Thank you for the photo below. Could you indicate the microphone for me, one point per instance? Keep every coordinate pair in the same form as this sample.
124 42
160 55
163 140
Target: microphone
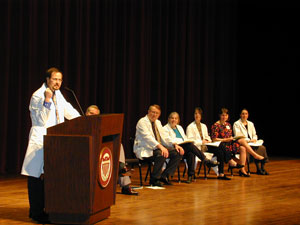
68 89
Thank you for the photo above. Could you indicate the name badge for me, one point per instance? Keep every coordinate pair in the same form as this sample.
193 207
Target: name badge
227 127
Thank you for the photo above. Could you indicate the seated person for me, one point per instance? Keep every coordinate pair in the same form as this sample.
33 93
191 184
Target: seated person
152 142
244 127
176 132
124 181
197 131
221 131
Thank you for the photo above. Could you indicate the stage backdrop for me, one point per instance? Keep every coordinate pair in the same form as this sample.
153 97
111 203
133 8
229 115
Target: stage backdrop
123 56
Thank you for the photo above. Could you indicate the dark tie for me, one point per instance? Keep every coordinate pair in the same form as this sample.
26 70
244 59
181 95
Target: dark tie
155 131
200 130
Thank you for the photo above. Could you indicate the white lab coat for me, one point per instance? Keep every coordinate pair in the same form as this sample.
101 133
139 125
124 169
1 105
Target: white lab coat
172 134
41 119
145 141
239 129
193 133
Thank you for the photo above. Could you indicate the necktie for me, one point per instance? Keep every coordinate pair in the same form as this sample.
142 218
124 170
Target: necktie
55 104
200 130
203 147
155 131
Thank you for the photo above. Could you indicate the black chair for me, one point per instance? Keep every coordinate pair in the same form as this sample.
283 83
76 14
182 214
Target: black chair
204 167
199 169
149 162
140 162
178 170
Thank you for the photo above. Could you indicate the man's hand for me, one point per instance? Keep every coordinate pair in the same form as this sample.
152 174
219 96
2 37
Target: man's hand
48 94
205 141
164 151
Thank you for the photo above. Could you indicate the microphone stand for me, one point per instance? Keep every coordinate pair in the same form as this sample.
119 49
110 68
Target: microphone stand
68 89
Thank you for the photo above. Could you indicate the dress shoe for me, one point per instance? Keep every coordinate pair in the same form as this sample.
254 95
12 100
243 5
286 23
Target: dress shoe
260 172
211 163
189 180
165 181
265 172
127 190
155 183
223 178
237 166
41 219
243 174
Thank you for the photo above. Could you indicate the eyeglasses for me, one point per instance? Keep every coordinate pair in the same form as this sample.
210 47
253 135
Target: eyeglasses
155 112
57 79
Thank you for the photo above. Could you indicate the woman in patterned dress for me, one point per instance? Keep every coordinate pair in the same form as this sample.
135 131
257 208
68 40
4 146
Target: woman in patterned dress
222 131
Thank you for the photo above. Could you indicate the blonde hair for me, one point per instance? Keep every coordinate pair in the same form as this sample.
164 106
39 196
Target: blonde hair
155 106
92 107
174 113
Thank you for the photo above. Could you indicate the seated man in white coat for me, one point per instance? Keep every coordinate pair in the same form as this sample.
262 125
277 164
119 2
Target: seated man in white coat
152 141
48 107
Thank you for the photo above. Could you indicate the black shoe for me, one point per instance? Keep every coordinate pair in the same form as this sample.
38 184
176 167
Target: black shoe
127 190
223 178
237 166
243 174
211 163
42 218
260 172
189 180
265 172
155 183
165 181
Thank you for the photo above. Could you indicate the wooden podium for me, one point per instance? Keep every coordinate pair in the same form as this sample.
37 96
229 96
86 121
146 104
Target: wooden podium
81 161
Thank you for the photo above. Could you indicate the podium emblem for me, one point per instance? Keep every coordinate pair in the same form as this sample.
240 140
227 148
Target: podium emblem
105 166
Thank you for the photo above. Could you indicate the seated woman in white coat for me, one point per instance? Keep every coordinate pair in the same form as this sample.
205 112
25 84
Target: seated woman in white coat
244 127
177 135
198 132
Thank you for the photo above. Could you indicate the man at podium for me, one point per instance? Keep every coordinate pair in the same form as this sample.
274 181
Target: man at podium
48 107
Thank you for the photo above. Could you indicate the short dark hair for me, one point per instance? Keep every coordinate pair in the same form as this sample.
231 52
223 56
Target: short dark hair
245 110
224 110
199 110
51 70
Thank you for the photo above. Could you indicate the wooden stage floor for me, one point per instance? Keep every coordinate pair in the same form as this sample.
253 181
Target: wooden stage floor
273 199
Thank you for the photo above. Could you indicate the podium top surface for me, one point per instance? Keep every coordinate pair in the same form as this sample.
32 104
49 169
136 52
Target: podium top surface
106 124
